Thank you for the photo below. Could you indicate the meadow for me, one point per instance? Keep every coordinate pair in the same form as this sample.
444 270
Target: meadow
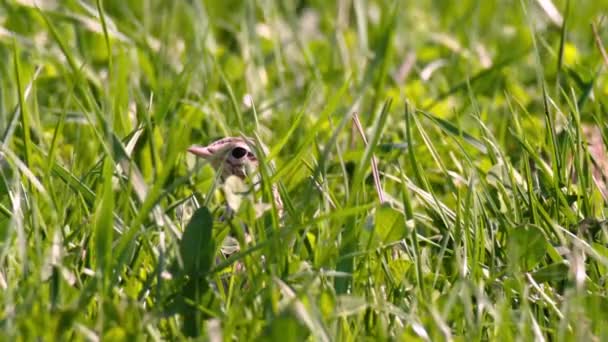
433 158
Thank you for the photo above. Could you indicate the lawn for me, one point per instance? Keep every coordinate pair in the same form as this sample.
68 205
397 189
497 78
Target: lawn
433 158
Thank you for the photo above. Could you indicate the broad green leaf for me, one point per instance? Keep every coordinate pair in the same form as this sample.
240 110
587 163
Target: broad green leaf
399 268
553 272
389 224
286 327
527 246
197 247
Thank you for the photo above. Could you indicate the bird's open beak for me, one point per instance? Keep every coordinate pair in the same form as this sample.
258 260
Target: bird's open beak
200 151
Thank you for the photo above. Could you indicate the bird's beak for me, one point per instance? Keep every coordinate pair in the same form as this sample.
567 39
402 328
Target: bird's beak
200 151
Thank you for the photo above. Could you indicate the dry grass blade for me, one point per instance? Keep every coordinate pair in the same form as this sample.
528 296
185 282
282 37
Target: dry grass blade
375 173
598 42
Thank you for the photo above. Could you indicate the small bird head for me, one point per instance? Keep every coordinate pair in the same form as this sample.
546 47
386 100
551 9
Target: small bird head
236 156
230 156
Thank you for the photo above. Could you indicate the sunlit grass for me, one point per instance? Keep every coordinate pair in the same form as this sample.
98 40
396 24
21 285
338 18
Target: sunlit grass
481 116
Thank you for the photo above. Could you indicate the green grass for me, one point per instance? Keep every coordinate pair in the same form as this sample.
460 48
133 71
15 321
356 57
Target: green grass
474 111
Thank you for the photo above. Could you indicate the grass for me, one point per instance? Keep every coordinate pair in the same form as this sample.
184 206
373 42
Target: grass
492 226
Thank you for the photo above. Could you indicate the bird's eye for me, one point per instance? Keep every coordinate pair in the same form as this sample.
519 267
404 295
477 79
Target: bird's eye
238 152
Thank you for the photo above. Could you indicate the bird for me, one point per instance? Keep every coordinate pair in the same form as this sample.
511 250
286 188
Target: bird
236 156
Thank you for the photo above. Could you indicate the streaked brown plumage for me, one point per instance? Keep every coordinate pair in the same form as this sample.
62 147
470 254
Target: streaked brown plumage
234 156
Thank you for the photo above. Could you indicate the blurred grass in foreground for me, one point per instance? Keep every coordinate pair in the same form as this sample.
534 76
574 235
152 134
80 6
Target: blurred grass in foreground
494 225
